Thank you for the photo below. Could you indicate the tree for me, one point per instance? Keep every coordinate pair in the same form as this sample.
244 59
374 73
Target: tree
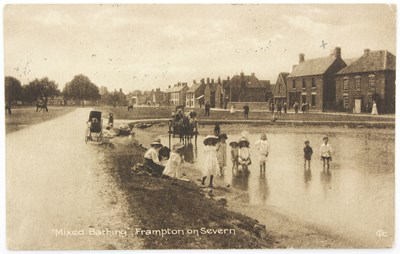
81 88
40 90
12 89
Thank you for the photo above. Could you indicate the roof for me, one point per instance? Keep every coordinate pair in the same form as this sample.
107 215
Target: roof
380 60
267 85
194 87
316 66
175 89
350 60
251 81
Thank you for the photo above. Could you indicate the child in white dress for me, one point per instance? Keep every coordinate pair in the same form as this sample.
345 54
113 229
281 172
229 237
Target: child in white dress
211 165
262 146
244 153
175 162
221 155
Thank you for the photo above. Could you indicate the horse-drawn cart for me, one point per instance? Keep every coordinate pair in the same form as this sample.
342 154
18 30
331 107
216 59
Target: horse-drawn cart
184 126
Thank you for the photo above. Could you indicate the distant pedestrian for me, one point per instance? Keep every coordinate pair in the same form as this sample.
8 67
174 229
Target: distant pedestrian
296 107
8 108
217 130
307 107
272 107
234 154
263 147
110 118
210 167
246 110
207 109
279 110
285 107
374 110
232 111
326 152
221 154
303 107
308 151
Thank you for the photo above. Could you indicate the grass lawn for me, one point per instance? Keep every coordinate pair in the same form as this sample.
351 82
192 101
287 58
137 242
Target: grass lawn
26 116
165 112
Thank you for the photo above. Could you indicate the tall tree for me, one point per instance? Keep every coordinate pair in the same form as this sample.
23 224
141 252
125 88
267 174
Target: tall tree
12 89
81 88
40 90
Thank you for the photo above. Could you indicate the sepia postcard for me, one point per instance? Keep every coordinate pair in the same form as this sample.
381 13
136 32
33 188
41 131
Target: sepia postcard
199 126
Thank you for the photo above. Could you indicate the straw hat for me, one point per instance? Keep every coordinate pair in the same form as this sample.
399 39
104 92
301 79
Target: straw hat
156 142
214 138
244 140
178 146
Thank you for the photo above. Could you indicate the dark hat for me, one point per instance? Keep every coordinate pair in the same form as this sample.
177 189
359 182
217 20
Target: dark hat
234 143
306 142
223 135
325 138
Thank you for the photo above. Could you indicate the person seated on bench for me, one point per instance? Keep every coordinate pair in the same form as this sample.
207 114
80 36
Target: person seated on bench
151 159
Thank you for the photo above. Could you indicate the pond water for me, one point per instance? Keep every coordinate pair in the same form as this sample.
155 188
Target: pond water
355 198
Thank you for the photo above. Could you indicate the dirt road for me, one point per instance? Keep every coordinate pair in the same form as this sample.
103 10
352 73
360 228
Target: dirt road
59 193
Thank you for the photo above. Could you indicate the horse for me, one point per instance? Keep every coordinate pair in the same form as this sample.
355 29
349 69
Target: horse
40 106
130 108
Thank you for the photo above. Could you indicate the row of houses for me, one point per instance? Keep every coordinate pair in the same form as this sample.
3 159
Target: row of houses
327 84
332 83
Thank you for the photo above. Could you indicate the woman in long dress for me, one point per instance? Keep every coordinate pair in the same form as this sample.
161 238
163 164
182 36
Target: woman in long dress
374 109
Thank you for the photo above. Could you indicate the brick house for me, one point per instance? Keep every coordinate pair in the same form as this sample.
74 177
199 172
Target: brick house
177 94
279 94
370 78
313 81
157 97
195 95
247 88
214 93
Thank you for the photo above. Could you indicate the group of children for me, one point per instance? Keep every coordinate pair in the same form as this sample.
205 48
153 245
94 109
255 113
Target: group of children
215 159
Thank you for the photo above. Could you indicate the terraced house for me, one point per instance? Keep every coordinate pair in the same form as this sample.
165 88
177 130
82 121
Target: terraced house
370 78
313 81
280 92
177 94
195 95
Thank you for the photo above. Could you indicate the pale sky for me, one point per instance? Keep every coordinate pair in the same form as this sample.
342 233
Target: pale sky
150 46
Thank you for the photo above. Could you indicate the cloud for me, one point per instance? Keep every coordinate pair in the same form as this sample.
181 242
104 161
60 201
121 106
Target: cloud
306 24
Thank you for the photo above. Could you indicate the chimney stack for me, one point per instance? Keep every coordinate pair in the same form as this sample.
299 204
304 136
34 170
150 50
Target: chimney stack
366 51
337 52
229 78
208 80
301 58
212 81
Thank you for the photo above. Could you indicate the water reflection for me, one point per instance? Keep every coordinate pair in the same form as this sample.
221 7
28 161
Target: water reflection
190 152
357 190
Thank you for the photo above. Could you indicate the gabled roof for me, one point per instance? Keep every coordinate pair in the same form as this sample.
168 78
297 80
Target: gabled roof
282 76
175 89
312 67
380 60
194 87
266 84
251 81
350 60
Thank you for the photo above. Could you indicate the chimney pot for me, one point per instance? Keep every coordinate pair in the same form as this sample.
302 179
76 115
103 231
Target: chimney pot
301 58
212 80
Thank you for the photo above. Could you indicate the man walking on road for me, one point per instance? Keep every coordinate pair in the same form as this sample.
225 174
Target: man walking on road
207 108
246 110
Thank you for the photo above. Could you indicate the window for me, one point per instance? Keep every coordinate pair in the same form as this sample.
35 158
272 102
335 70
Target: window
294 84
371 81
303 83
346 102
313 99
303 98
279 88
358 83
345 84
313 84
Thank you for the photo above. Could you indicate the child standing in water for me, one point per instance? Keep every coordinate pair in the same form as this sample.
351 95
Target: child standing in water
211 165
244 153
221 155
308 151
262 146
326 152
234 154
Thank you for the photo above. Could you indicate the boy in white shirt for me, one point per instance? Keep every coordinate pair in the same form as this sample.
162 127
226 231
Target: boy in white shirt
262 146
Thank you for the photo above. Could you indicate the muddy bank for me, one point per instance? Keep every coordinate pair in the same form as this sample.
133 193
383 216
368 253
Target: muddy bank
197 219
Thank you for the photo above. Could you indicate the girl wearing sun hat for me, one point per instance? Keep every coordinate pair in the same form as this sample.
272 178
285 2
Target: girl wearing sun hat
175 161
244 153
211 165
